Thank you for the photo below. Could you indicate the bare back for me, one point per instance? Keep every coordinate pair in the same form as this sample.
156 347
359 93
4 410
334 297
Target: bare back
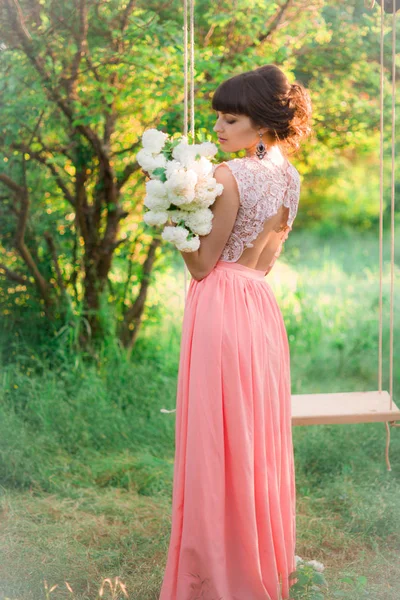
269 195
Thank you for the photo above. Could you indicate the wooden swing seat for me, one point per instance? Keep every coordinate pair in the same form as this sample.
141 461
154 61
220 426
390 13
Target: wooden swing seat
343 407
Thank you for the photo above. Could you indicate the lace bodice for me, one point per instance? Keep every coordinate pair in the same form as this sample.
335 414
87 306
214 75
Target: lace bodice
263 188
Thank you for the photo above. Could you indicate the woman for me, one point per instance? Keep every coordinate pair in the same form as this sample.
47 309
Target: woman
233 507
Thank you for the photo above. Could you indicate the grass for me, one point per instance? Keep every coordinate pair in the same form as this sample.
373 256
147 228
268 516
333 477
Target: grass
86 457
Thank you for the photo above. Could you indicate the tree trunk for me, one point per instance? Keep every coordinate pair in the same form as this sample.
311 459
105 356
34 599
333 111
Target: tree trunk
130 325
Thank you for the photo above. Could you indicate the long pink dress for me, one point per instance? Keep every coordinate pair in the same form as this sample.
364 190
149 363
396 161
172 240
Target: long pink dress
233 506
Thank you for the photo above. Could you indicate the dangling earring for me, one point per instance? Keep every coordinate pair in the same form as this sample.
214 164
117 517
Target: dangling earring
261 150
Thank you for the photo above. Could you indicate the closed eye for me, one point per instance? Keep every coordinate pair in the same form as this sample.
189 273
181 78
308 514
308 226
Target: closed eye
229 122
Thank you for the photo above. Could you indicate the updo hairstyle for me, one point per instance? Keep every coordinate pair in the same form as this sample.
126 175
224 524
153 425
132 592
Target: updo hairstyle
269 100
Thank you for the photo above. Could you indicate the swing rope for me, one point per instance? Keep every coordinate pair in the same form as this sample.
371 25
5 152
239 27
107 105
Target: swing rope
381 234
186 82
370 4
392 212
186 102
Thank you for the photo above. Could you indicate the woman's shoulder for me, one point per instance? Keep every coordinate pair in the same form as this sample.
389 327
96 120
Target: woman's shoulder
234 164
248 166
253 162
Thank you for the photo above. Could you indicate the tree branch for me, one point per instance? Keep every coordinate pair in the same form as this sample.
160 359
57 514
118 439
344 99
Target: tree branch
14 276
16 18
81 40
21 193
126 14
50 242
134 312
43 160
13 185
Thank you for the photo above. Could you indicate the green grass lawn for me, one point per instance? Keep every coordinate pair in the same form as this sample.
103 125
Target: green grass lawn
86 456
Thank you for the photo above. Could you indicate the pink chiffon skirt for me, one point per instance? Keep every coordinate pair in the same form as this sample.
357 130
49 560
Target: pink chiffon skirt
233 504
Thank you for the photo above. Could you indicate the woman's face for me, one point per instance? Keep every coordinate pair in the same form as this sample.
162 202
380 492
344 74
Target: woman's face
236 132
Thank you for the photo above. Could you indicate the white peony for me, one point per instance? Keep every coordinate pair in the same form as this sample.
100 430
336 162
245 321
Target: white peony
157 195
208 149
219 188
150 162
205 199
190 206
145 159
189 186
180 148
155 217
153 140
185 153
180 186
207 189
189 245
156 203
176 235
210 184
202 166
172 166
160 161
200 222
178 215
154 187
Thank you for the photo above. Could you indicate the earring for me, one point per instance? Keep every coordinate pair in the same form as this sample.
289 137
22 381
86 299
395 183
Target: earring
261 150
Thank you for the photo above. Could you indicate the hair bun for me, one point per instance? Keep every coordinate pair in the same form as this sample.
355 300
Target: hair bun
294 89
268 98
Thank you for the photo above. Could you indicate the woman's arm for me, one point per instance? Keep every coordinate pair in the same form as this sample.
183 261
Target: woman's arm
225 208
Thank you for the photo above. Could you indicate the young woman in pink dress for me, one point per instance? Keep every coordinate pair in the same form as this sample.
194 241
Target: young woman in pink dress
233 507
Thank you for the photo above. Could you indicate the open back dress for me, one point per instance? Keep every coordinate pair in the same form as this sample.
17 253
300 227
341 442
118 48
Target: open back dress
233 525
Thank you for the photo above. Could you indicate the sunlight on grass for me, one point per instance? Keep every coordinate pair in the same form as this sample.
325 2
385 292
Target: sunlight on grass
87 458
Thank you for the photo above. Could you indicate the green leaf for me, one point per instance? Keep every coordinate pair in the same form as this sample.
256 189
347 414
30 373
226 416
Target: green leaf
160 172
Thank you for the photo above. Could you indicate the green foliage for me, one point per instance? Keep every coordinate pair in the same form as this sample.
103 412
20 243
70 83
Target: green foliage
160 172
309 583
76 401
131 75
85 450
355 587
79 424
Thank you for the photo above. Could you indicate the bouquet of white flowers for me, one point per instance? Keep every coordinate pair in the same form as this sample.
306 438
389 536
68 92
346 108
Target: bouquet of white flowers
181 187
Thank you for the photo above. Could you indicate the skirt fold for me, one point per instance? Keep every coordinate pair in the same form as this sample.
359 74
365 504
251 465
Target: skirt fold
233 503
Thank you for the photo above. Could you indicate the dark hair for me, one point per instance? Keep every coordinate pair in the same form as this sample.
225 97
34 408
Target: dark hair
269 100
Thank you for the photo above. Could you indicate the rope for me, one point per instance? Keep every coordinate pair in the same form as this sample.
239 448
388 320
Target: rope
392 227
186 103
185 108
186 92
392 202
192 67
185 69
381 215
370 4
389 468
